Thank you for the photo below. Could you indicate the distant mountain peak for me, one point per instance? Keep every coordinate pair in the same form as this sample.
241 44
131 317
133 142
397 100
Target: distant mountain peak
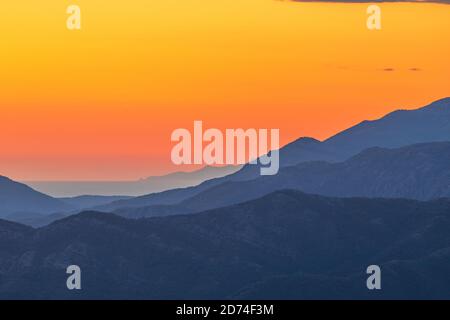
303 142
307 140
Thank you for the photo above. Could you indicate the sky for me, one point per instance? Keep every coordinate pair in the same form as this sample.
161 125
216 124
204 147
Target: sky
100 103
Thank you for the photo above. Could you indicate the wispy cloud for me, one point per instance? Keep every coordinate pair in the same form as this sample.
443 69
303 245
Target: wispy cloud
390 69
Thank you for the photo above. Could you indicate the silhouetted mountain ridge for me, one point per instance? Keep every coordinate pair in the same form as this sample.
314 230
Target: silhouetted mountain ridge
239 251
17 197
124 189
397 129
419 171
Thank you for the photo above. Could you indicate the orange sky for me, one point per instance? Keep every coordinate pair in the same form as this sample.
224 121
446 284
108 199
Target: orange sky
100 103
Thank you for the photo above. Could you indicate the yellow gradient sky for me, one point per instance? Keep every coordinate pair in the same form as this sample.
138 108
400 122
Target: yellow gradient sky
100 103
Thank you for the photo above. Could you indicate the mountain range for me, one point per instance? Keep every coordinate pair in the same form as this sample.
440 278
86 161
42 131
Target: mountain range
74 189
417 171
420 171
285 245
381 196
397 129
16 197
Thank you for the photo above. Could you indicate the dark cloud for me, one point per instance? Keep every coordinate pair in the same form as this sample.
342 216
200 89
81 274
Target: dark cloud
388 69
375 1
415 69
